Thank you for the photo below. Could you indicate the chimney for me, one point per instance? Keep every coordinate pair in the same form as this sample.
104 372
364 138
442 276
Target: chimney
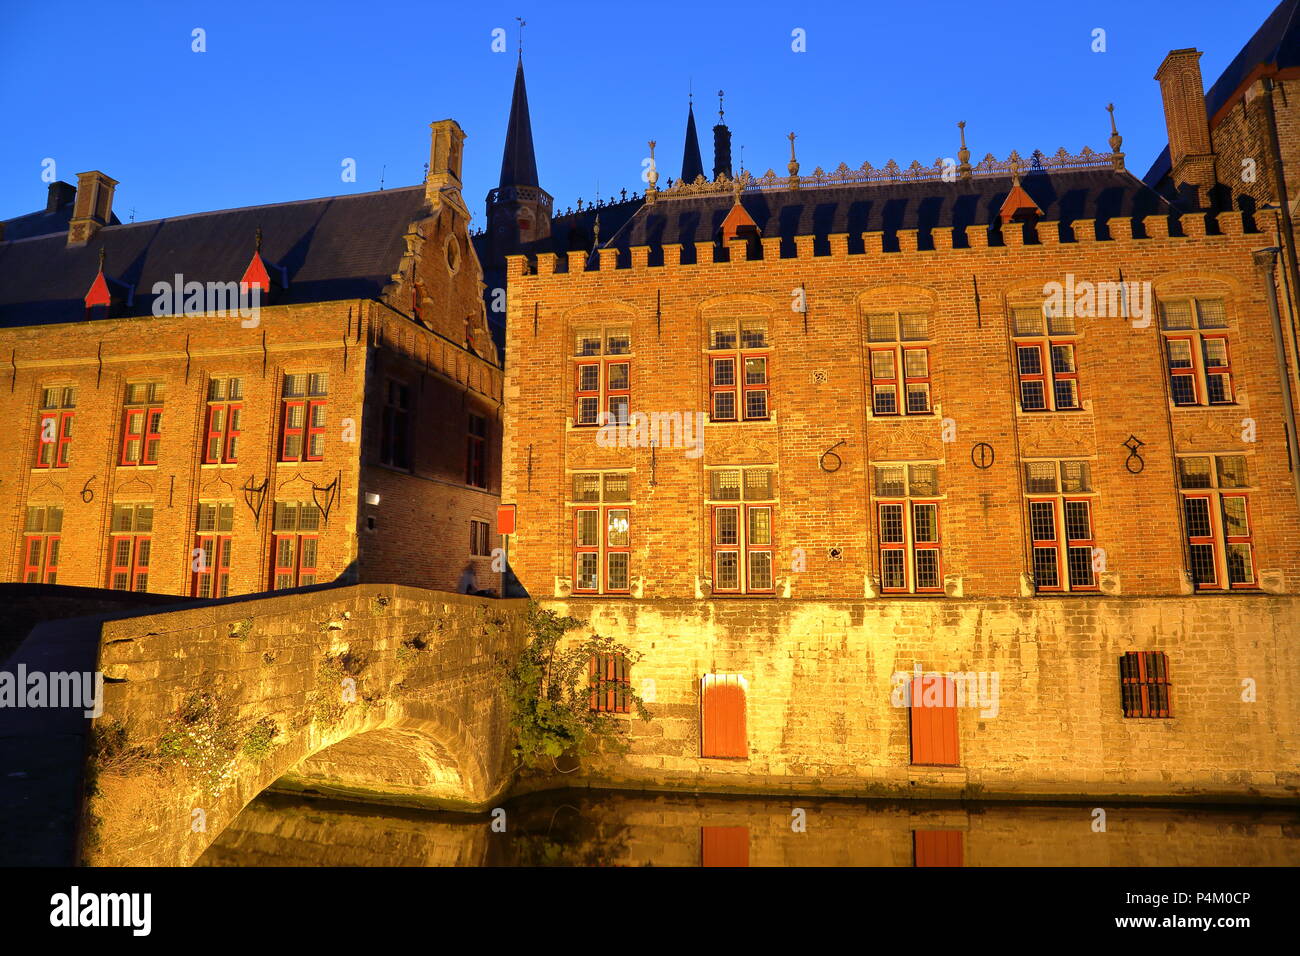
93 208
1191 155
59 195
444 159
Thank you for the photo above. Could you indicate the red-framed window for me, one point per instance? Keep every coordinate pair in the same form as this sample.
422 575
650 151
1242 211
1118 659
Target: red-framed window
602 375
602 532
295 542
937 848
898 363
723 731
221 421
40 544
395 436
610 678
932 716
142 423
742 509
476 446
210 559
907 529
1218 522
304 400
1144 684
130 543
54 426
1196 351
1046 367
1062 539
738 368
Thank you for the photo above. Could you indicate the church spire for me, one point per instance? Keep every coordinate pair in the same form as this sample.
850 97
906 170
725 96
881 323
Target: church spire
518 164
692 164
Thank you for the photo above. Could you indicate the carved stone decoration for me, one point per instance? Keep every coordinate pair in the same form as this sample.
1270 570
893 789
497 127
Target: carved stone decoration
1058 437
914 438
1208 431
737 451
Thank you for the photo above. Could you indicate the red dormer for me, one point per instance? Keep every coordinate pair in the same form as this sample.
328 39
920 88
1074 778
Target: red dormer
105 293
739 224
262 273
1018 206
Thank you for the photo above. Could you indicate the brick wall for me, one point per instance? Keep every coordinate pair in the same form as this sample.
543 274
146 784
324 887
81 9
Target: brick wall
819 402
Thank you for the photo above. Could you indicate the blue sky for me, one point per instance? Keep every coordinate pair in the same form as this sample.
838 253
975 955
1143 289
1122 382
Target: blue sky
286 91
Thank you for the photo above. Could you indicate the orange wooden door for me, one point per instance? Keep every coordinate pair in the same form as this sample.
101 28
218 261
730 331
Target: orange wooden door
722 716
934 721
936 848
724 846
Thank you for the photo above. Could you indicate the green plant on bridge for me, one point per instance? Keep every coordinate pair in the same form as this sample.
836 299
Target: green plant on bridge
204 740
551 687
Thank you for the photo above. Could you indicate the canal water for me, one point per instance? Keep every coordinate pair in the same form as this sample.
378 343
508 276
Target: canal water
608 828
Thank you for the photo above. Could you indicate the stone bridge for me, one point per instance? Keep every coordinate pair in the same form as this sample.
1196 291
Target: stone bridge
384 692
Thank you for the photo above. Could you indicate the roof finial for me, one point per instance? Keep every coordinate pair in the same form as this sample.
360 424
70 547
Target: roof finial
522 23
720 95
652 175
963 154
103 254
1116 141
257 239
793 165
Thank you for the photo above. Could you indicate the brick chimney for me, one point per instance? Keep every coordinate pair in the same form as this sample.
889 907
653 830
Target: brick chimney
93 207
59 195
445 152
1191 155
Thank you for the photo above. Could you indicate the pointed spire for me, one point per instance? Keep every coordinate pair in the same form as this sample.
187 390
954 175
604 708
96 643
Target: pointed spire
692 164
518 163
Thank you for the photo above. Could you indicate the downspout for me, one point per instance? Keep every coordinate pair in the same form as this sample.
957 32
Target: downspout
1287 228
1266 261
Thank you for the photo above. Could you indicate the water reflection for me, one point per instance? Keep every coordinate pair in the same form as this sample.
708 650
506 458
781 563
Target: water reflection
592 828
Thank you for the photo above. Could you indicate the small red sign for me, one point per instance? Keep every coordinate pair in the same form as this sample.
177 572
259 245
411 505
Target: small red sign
505 519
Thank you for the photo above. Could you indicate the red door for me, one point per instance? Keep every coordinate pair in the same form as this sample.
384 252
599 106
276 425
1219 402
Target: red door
934 721
936 848
722 716
724 846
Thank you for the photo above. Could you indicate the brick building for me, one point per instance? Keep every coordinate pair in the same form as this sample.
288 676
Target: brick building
165 435
1008 378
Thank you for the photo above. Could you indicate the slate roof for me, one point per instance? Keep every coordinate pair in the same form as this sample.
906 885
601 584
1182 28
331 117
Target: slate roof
1275 45
342 247
53 218
1098 194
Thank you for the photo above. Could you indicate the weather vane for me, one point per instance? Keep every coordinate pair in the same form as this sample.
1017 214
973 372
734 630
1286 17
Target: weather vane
522 23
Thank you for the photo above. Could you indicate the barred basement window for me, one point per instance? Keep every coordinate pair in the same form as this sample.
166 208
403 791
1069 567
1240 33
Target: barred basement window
1216 511
1045 360
602 535
54 426
738 370
1060 525
603 388
40 544
900 374
908 528
295 531
742 532
142 423
210 560
1200 370
129 547
302 419
1144 684
610 677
